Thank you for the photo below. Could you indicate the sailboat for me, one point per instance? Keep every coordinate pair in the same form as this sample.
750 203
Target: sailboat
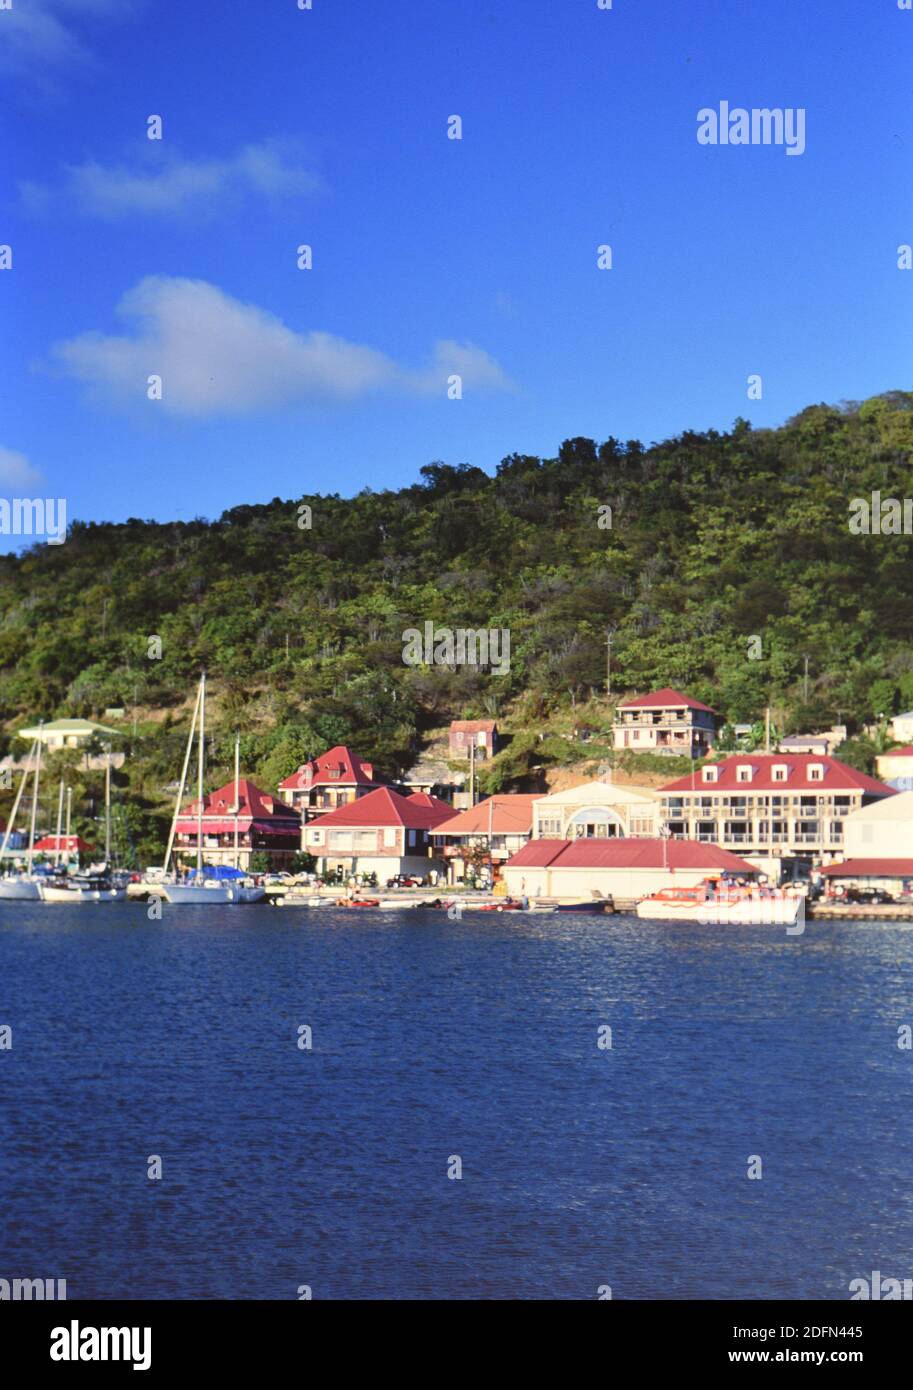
92 885
201 891
23 887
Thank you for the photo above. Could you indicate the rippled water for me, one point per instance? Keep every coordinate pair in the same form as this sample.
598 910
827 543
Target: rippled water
434 1038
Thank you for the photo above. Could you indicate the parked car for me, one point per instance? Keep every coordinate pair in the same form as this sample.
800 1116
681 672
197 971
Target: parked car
867 895
405 881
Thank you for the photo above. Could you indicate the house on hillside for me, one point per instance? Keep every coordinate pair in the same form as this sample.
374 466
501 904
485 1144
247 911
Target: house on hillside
769 806
498 826
383 833
337 778
60 734
258 822
599 810
434 777
665 722
480 734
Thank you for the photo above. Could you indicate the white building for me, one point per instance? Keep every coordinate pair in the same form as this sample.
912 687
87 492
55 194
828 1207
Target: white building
878 844
598 810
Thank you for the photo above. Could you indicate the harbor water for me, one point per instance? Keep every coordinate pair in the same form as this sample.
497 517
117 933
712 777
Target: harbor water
402 1105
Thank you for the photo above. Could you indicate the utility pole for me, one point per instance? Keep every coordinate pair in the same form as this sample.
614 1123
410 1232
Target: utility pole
610 632
472 774
135 698
805 696
767 730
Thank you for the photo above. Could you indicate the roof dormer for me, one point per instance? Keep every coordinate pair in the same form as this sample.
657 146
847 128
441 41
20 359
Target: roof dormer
779 772
744 772
710 774
816 772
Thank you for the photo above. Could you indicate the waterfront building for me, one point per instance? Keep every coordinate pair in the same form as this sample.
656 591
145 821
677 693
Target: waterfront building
623 869
665 722
480 734
257 823
878 848
383 833
600 810
498 827
336 778
770 806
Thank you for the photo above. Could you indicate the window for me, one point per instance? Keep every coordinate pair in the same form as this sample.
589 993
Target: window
316 837
779 772
743 772
709 774
815 772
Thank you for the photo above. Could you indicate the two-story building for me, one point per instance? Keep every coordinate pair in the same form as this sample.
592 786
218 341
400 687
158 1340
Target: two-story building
235 829
769 806
665 722
382 833
497 828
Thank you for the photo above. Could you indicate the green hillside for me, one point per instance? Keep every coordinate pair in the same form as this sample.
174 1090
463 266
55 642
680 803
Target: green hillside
715 539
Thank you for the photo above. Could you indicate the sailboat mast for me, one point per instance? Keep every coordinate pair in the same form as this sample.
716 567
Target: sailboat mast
200 778
40 740
108 809
59 825
25 777
180 796
69 810
237 792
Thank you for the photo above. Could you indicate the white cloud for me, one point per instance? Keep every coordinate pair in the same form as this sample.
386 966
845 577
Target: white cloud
39 35
179 186
17 476
219 356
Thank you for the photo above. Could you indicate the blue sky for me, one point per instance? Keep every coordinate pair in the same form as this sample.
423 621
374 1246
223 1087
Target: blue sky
329 127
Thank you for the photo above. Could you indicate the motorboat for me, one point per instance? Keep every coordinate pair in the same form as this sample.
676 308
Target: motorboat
719 902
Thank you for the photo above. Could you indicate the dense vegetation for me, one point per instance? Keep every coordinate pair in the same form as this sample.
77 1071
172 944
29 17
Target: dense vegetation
715 539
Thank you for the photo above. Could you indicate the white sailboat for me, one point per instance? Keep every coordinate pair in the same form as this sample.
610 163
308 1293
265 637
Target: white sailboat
93 885
210 891
23 887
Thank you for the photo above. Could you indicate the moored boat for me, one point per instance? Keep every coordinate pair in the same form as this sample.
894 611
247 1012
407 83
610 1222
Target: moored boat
720 902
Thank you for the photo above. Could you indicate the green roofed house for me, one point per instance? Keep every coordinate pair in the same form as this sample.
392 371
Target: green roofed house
68 733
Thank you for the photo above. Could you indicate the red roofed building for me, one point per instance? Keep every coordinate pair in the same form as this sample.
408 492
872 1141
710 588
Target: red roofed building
480 734
623 869
67 844
771 805
665 722
499 826
263 823
383 833
337 778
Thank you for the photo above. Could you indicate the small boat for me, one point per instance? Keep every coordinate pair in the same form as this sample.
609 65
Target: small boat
357 902
81 888
505 905
717 902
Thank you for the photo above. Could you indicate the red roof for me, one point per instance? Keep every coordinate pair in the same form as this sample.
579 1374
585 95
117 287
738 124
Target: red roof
906 752
49 844
837 776
253 805
339 766
385 807
870 868
473 726
511 814
664 699
627 854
